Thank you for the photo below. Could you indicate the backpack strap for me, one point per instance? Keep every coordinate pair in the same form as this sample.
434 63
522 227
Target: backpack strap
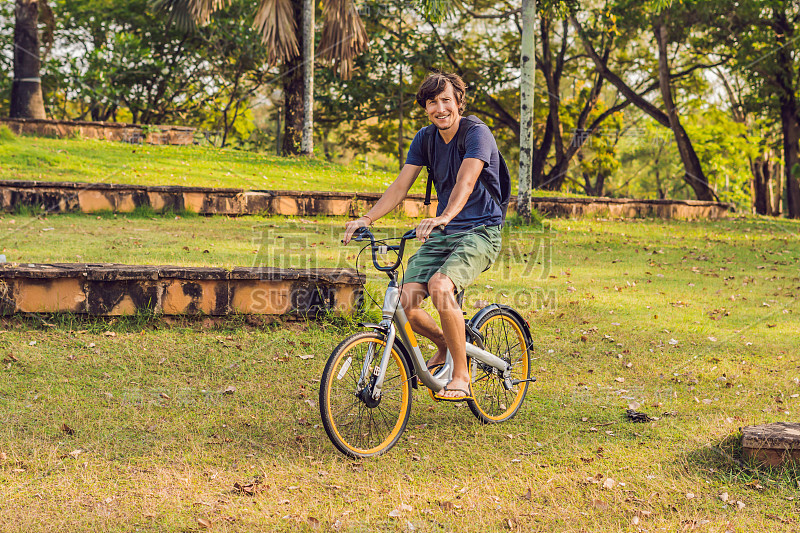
461 139
430 143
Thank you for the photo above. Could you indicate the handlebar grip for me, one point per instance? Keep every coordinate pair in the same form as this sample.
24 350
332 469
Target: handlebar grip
410 234
360 233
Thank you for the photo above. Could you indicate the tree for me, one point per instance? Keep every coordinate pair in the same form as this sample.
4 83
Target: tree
527 84
669 24
131 66
761 35
280 23
26 90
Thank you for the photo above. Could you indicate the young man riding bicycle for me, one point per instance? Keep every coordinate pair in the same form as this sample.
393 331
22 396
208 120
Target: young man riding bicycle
464 237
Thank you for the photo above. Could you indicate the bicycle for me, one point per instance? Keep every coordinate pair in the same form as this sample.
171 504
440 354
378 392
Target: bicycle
365 391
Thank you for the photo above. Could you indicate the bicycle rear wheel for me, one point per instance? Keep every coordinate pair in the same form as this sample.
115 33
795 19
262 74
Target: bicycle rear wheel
503 336
358 425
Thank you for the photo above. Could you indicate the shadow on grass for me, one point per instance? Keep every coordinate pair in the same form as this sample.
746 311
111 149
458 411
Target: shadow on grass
724 461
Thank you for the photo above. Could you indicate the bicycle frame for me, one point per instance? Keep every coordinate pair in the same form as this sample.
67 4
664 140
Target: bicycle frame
394 323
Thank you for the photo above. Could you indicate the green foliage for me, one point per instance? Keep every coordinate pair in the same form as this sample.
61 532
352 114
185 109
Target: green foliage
515 221
724 148
137 66
6 135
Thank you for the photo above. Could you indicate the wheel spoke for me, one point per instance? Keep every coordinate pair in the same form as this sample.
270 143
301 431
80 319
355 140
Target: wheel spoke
503 337
356 428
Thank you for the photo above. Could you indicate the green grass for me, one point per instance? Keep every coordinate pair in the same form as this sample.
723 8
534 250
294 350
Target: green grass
694 322
93 161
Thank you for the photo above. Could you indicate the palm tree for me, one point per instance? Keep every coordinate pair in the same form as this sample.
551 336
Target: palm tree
26 89
280 23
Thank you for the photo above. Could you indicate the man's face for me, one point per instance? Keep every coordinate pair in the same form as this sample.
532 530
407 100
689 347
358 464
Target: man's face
443 109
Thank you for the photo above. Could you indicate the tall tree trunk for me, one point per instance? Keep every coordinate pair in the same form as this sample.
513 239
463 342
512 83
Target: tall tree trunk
292 73
552 76
308 78
26 89
693 175
788 105
400 133
759 185
526 88
776 184
791 157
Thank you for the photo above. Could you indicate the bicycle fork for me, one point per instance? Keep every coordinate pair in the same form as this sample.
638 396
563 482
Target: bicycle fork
391 302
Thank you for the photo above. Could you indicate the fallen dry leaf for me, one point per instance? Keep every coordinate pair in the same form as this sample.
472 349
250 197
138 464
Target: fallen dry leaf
111 334
203 523
600 504
76 453
724 496
3 456
527 496
229 390
689 495
313 522
250 488
307 356
394 513
66 429
447 506
609 483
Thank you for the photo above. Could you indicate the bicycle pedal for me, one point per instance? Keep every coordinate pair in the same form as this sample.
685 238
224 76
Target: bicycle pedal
508 382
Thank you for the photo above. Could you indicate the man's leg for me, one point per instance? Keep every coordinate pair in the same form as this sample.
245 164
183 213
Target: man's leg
422 323
441 289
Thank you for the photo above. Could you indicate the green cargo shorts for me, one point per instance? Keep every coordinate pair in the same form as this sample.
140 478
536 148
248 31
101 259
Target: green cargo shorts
459 256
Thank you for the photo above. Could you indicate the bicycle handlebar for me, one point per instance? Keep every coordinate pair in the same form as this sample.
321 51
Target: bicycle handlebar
362 232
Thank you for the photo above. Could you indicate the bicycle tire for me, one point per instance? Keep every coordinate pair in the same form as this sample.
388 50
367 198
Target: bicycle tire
504 337
356 429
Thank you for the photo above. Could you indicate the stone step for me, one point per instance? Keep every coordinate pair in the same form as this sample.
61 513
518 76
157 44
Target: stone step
772 444
114 289
106 131
56 197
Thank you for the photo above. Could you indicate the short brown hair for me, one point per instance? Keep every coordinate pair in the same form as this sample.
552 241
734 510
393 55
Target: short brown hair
435 84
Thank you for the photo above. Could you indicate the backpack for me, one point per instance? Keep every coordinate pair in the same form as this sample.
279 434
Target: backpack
504 177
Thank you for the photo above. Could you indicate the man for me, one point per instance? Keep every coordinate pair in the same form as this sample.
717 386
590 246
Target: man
463 239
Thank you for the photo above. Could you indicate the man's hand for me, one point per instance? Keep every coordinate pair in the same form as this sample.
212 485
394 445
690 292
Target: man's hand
351 226
427 225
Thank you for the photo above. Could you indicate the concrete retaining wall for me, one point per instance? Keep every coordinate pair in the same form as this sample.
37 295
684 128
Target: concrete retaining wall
108 131
112 289
90 198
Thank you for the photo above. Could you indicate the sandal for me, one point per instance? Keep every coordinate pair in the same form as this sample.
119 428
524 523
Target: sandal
467 395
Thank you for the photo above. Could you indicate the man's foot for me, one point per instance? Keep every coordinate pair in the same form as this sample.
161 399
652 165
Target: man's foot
456 391
436 361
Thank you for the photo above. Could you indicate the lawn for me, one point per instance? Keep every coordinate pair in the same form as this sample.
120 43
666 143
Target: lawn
94 161
146 424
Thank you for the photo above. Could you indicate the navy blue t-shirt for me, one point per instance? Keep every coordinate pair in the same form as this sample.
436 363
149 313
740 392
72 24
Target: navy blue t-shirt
480 209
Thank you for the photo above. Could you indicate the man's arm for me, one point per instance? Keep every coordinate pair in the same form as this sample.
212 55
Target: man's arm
468 174
395 194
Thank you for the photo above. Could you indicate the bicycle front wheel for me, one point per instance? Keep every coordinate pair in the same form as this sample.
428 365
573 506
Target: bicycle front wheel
503 336
357 424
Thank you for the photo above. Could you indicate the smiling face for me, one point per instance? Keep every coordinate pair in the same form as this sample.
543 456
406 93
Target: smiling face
443 109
